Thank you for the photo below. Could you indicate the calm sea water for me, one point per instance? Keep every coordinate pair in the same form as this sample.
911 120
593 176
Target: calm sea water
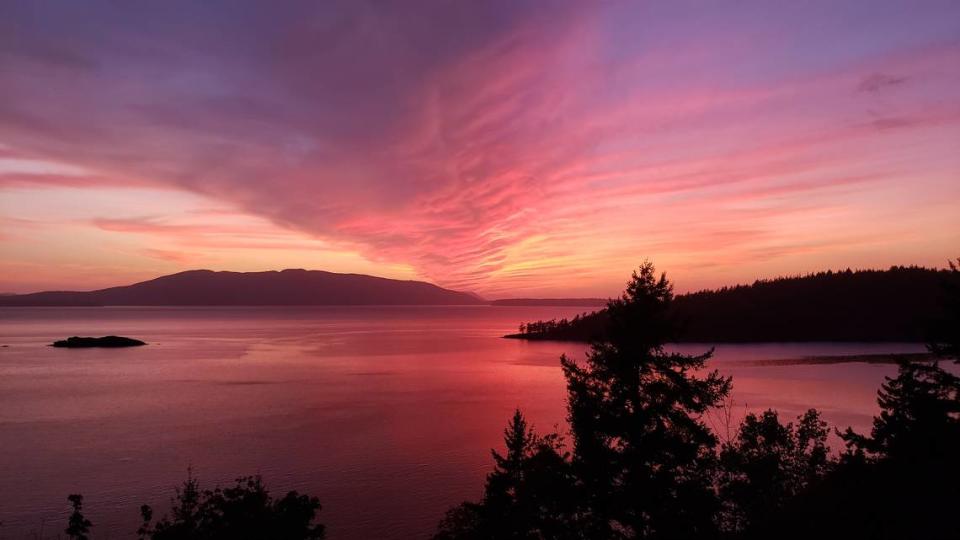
387 414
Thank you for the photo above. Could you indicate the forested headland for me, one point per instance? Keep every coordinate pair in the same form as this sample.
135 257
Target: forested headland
901 304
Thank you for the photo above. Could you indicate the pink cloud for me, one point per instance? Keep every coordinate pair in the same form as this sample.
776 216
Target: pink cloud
560 144
179 257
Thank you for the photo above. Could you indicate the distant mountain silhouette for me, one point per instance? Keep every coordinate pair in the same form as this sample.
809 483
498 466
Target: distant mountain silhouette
589 302
286 287
865 305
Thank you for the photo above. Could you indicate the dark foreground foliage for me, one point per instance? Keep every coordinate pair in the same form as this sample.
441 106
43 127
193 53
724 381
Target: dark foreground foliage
245 511
78 526
644 465
767 465
901 481
529 489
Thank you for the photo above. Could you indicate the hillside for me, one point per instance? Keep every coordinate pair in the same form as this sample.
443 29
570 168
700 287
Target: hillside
898 304
286 287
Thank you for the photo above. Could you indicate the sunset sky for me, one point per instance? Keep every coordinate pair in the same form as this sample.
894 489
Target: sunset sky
505 148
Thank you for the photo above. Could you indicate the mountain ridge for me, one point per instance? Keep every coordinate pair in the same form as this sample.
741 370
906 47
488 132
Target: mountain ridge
292 286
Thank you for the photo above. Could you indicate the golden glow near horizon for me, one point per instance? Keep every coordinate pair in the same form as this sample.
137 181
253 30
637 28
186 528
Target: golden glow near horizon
151 232
538 154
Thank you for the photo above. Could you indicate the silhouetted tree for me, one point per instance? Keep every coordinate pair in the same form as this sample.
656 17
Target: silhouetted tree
644 465
145 529
244 511
468 521
527 496
78 526
919 417
769 463
643 456
901 481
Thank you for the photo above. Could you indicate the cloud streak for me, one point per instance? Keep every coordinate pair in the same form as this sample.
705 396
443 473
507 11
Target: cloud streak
502 147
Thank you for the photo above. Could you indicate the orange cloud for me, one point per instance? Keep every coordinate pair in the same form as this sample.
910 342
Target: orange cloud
543 152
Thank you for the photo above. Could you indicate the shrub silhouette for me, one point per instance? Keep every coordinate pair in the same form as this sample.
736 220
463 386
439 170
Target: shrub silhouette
768 464
77 525
900 481
243 511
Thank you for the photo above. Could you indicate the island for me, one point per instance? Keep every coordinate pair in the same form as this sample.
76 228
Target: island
291 287
77 342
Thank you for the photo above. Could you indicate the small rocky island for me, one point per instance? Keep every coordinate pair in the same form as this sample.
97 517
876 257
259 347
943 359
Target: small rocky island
77 342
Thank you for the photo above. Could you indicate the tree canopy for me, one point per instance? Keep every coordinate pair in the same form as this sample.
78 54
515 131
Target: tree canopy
644 465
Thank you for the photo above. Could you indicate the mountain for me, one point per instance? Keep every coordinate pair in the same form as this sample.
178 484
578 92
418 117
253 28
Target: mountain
286 287
586 302
899 304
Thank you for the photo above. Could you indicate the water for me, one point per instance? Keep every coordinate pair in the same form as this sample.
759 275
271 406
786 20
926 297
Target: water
386 413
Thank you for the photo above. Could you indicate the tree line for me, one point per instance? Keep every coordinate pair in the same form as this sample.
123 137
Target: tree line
244 511
641 461
902 303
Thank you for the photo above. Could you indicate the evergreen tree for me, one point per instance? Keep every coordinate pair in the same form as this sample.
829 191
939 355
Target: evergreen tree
527 496
78 526
919 419
901 481
643 456
768 464
245 511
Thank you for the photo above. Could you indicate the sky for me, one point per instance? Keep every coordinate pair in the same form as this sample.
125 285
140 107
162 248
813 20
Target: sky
508 148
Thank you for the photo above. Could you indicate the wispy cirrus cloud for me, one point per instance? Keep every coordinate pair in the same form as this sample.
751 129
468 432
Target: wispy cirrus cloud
501 147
